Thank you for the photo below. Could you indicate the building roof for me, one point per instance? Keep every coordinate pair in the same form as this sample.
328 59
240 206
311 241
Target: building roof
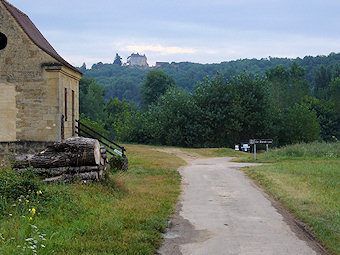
34 34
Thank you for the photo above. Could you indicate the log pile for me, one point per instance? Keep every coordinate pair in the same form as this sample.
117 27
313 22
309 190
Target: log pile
75 158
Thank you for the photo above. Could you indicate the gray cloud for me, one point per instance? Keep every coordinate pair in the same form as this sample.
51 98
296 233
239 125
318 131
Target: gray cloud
186 30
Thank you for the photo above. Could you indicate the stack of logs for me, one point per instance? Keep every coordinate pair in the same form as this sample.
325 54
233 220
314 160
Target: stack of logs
75 158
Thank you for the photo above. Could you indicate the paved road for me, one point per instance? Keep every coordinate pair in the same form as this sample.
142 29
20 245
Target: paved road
222 211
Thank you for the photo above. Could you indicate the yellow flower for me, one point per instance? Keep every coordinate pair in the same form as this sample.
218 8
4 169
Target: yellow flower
31 218
33 210
27 201
39 192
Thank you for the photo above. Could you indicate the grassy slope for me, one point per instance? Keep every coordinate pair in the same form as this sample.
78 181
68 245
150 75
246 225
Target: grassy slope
124 216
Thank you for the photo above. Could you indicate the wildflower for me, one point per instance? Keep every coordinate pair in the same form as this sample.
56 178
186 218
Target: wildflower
27 201
33 210
31 218
39 192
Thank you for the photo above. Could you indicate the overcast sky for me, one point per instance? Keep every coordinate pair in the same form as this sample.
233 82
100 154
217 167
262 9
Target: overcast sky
209 31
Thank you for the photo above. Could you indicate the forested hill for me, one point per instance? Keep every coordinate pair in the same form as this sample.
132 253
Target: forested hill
124 82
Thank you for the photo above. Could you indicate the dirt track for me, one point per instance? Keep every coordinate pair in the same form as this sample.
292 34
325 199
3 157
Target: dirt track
221 211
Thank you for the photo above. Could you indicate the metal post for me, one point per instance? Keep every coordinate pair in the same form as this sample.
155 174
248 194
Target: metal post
267 148
255 151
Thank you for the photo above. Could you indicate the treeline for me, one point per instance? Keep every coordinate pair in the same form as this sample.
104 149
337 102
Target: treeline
125 82
222 110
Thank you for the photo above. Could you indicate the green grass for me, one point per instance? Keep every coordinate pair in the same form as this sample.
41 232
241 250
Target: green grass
125 215
306 179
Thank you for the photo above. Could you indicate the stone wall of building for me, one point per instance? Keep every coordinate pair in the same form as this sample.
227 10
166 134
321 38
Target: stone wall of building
32 107
23 147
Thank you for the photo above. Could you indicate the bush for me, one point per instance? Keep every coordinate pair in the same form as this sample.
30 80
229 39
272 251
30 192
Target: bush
116 163
14 185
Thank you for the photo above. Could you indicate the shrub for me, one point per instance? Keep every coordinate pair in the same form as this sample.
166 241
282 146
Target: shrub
14 185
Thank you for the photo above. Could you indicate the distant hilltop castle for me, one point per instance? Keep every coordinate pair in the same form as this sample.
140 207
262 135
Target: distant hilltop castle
137 60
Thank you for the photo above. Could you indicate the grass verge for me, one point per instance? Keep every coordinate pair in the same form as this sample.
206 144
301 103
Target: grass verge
125 215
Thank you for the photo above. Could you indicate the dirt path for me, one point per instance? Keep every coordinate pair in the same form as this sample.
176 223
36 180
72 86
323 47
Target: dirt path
221 211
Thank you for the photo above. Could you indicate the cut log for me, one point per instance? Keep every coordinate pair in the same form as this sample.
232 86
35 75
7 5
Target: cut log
74 151
73 177
51 172
22 161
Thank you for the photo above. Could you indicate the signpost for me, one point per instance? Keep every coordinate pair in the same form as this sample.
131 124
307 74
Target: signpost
261 141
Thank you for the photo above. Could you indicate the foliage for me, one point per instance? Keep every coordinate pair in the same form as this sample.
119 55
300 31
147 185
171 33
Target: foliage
299 125
116 111
187 74
91 99
288 86
233 110
155 85
14 185
174 119
219 111
327 117
116 163
98 126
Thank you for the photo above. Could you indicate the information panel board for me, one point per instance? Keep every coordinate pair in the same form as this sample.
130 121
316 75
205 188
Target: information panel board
260 141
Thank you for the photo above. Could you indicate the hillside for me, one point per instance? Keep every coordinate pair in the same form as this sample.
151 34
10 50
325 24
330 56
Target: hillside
124 82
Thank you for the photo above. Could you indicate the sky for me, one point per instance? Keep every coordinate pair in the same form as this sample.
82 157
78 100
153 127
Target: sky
210 31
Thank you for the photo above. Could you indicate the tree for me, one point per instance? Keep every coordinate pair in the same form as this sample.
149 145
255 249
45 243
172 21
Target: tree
334 89
156 84
115 111
322 78
288 86
233 110
118 60
174 119
326 114
91 99
300 125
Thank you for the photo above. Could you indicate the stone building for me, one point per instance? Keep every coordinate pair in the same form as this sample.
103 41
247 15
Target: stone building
137 60
38 88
